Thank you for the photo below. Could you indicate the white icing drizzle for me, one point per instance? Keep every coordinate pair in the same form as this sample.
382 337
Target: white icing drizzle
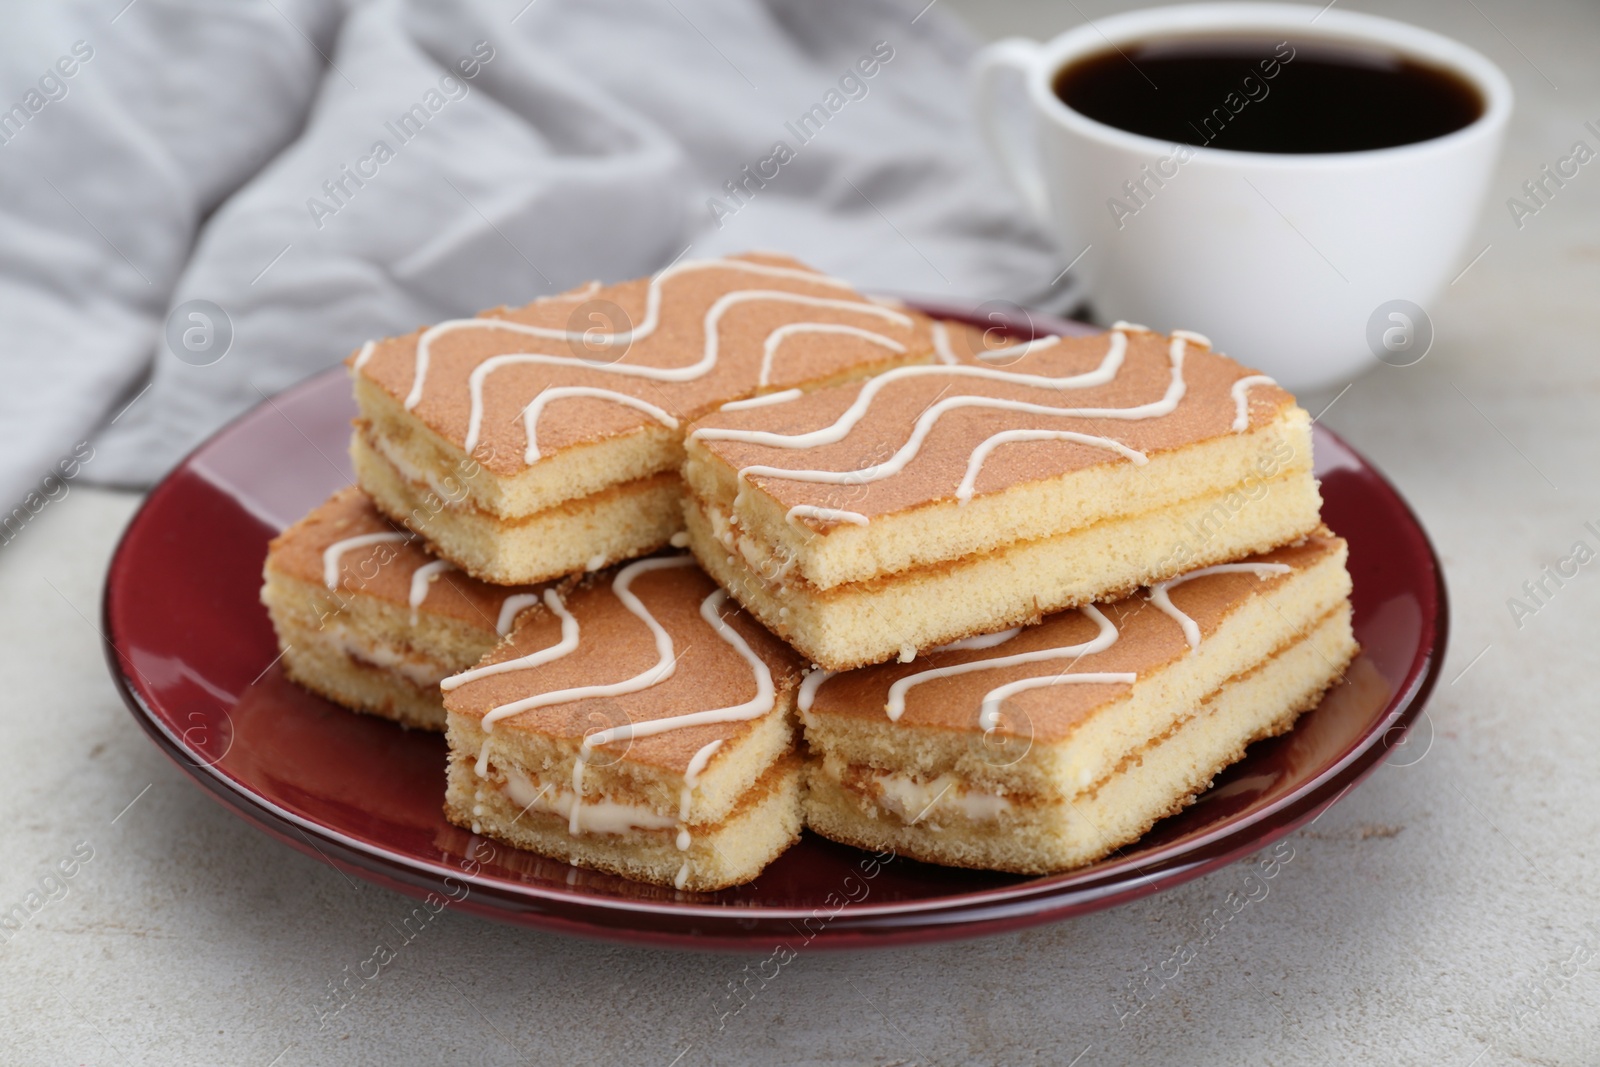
815 511
652 315
332 554
1191 630
946 355
841 427
989 713
621 587
965 490
697 369
588 288
422 580
941 344
530 414
1104 639
760 704
783 333
982 641
1241 401
691 778
809 686
364 355
565 647
764 700
575 813
783 396
757 706
511 607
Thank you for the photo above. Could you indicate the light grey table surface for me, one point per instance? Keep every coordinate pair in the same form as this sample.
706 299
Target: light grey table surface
1446 912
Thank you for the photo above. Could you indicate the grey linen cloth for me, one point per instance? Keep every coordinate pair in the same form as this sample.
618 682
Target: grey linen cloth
207 201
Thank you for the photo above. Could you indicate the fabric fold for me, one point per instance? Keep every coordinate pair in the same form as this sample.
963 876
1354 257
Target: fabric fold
304 179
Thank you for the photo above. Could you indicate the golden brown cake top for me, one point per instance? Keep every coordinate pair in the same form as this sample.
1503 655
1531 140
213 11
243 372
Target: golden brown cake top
1030 681
649 662
977 424
512 385
345 545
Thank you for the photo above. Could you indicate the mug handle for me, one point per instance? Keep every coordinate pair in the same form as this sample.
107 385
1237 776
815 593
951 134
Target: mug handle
1013 143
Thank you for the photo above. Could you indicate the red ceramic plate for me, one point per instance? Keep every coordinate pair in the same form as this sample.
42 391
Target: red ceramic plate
191 650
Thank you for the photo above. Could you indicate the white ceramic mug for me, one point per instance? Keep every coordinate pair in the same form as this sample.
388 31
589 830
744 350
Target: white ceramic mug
1289 263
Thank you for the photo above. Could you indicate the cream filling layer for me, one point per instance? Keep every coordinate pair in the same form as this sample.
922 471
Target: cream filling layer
455 501
593 815
912 800
420 671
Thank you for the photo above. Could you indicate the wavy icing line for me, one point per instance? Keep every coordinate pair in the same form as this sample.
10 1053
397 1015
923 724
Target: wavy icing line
809 686
1241 402
783 333
651 323
1191 630
697 369
530 414
781 397
652 316
760 704
982 641
512 606
334 552
941 345
691 778
969 481
816 511
711 607
564 647
660 672
841 427
422 581
754 708
757 706
946 355
989 708
989 712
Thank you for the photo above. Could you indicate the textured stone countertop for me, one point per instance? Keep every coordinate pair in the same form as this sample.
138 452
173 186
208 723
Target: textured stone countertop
1445 912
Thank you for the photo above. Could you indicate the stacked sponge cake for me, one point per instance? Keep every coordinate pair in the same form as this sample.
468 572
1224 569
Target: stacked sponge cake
1003 605
553 433
932 503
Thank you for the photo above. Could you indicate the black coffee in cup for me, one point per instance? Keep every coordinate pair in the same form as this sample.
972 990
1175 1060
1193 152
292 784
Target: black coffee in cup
1251 94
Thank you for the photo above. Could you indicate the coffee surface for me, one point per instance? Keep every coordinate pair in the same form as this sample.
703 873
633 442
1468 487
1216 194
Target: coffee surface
1268 95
